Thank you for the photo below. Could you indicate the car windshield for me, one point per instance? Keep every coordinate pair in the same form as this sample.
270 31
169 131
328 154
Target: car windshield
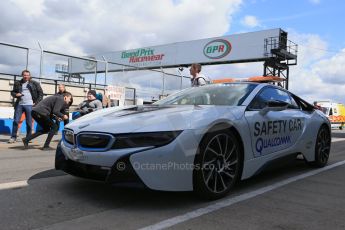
220 94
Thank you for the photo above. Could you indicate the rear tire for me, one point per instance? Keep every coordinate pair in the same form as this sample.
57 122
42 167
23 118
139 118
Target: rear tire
218 164
322 147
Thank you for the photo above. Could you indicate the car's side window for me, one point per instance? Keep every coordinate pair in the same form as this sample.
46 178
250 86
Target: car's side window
269 94
303 105
294 104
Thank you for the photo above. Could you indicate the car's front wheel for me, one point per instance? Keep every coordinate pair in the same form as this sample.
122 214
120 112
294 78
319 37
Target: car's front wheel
218 164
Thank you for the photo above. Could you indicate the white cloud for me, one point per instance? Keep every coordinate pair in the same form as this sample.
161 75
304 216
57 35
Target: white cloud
331 70
82 27
315 1
30 8
93 26
311 48
250 21
318 74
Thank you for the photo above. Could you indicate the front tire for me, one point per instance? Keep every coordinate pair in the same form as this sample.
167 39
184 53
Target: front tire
322 147
218 164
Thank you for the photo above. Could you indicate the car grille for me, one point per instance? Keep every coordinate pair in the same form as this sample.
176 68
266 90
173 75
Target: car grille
96 141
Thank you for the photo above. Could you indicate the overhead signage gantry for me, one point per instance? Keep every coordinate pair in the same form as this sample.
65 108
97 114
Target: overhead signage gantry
269 46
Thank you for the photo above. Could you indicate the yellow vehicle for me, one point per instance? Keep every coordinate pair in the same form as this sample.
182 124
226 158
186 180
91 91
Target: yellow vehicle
334 111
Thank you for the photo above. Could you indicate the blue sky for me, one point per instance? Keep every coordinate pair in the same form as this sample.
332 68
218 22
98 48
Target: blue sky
324 17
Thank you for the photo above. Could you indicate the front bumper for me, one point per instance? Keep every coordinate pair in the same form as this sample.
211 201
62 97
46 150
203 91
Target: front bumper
165 168
121 172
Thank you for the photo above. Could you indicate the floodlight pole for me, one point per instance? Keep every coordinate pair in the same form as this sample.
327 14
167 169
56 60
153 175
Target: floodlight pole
41 59
27 59
96 74
106 70
180 69
163 78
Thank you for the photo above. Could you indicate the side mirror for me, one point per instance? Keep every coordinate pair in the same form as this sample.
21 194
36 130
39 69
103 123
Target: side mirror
274 106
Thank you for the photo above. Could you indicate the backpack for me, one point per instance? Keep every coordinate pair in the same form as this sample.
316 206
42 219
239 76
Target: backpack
207 81
99 97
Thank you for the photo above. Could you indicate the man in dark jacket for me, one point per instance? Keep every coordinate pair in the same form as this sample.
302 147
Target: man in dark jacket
27 93
44 113
61 91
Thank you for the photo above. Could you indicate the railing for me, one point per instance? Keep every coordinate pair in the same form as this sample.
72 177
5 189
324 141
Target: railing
78 90
42 64
281 43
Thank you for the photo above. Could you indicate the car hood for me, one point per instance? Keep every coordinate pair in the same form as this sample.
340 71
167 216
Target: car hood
151 118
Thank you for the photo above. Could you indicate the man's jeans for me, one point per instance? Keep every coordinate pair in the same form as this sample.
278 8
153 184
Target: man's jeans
18 110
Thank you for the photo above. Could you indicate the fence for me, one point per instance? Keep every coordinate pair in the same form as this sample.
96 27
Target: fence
52 67
50 87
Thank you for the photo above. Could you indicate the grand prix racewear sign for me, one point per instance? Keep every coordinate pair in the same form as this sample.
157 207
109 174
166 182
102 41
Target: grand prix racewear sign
141 55
244 47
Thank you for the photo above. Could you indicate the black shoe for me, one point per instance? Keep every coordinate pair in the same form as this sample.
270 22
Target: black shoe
26 143
46 148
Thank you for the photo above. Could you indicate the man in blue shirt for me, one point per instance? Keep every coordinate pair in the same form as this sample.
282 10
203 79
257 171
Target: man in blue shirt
27 93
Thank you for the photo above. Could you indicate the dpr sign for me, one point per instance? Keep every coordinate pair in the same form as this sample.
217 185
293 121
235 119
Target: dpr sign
217 49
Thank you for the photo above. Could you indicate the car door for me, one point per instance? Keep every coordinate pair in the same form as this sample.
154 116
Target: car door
274 131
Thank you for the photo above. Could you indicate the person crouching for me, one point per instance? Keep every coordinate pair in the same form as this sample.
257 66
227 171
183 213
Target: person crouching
44 112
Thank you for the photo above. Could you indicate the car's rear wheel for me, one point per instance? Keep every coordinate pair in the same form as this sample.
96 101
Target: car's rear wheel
218 164
322 147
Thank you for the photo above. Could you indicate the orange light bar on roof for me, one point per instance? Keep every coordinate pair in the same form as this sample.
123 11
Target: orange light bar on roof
266 79
225 80
261 79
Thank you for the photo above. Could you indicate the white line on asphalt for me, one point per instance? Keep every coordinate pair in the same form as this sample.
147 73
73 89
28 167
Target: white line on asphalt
16 184
233 200
336 139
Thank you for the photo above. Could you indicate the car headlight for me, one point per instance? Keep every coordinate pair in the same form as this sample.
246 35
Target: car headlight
135 140
68 136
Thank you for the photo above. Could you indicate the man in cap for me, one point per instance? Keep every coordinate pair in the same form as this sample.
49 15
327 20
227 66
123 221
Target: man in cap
89 105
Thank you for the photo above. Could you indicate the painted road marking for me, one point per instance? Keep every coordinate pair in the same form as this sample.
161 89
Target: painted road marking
336 139
16 184
233 200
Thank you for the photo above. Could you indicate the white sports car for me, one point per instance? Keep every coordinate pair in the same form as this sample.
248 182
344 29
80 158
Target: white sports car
201 139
